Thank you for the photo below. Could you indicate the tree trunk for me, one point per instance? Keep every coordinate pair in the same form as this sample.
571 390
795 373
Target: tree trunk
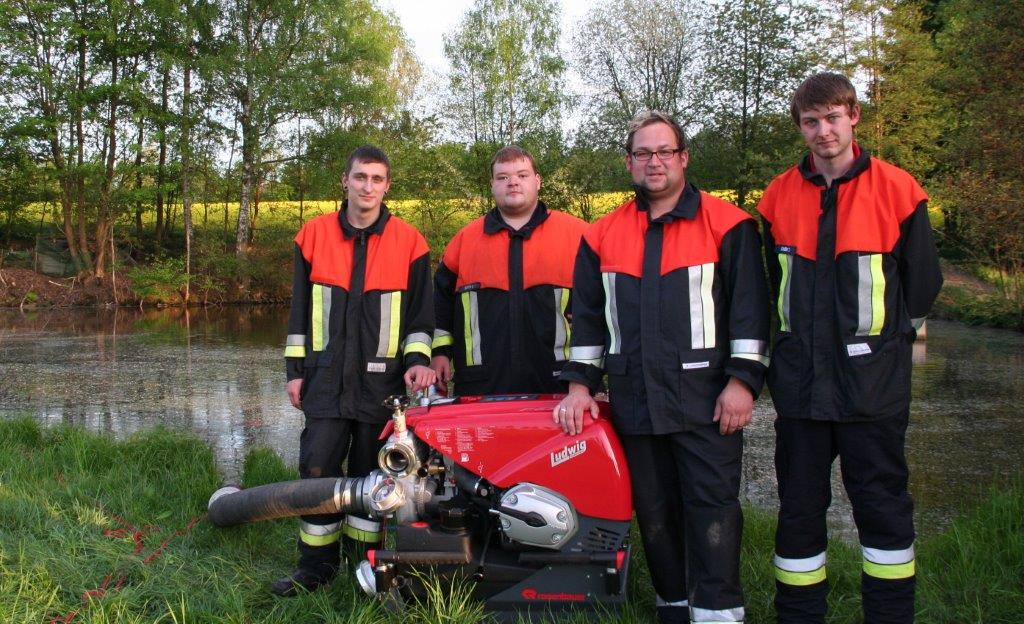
186 163
249 151
161 167
83 238
104 217
138 180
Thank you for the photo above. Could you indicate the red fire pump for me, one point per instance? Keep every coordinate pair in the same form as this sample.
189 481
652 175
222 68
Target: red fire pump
486 489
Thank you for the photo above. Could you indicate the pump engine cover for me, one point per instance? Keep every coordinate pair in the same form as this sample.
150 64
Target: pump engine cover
555 519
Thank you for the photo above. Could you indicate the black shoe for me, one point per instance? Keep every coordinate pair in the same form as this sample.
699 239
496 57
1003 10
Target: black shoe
301 580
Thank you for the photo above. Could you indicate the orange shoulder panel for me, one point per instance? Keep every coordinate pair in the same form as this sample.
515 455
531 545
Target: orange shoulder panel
326 250
618 240
873 205
691 242
478 258
550 253
792 205
389 255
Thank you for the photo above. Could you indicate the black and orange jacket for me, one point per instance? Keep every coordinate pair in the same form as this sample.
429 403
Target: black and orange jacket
501 300
854 271
670 308
360 316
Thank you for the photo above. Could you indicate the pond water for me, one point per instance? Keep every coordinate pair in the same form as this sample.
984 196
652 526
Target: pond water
219 373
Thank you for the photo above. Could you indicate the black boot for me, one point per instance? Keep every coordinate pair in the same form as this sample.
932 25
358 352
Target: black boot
301 580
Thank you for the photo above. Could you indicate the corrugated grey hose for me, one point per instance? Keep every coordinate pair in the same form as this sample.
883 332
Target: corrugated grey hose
230 506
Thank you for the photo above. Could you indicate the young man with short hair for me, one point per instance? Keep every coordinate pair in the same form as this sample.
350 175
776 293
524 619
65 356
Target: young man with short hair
502 289
359 330
669 298
854 268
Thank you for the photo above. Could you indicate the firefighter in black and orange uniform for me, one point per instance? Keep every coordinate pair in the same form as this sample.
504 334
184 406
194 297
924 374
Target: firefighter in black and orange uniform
670 299
854 268
359 330
502 289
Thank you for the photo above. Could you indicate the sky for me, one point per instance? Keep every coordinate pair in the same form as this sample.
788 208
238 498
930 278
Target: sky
425 21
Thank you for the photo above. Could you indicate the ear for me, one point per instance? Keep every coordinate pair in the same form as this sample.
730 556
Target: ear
855 115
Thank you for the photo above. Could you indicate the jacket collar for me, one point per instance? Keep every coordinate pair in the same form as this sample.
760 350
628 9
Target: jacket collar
494 223
685 208
862 159
377 227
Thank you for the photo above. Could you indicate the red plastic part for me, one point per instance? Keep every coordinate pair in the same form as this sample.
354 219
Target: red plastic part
371 556
510 440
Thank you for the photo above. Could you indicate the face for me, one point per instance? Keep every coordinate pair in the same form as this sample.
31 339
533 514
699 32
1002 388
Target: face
514 185
365 185
661 178
828 130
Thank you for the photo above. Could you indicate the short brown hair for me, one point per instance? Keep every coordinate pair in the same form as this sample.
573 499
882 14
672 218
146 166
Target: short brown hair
368 154
823 89
512 153
649 117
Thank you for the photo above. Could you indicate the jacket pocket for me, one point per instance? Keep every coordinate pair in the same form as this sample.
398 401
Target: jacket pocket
379 379
701 379
621 391
321 387
784 374
875 379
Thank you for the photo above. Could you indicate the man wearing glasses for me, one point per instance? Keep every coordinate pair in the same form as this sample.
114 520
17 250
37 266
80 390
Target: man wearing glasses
501 291
670 300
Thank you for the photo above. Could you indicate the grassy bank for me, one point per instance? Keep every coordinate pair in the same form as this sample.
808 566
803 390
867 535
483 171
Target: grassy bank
102 531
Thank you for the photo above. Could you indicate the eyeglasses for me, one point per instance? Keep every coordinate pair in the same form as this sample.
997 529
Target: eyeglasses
663 154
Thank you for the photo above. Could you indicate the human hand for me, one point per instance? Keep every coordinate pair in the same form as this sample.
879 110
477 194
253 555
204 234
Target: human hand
419 377
569 413
295 392
442 367
734 407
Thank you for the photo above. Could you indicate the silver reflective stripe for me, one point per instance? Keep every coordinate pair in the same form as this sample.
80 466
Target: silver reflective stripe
863 295
319 530
471 322
561 324
661 602
588 355
421 337
702 306
611 314
698 615
918 323
295 340
786 280
808 564
362 523
888 557
384 333
747 349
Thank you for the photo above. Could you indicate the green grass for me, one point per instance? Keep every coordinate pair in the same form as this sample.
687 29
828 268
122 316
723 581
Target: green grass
61 489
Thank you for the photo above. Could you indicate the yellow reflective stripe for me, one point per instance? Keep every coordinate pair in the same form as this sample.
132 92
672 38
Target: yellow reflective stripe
319 540
441 339
318 317
890 572
295 351
563 332
471 328
417 347
800 579
360 535
784 264
877 295
396 313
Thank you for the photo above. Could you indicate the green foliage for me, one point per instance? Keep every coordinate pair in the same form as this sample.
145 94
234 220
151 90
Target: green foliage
161 281
506 73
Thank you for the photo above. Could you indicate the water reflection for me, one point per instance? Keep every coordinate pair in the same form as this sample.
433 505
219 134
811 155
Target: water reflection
219 373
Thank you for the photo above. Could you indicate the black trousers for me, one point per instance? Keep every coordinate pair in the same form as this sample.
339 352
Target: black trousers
686 497
874 472
324 446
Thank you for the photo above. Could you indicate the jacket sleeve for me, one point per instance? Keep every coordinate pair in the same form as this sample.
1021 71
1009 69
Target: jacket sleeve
444 310
920 275
298 318
420 314
747 292
771 259
586 360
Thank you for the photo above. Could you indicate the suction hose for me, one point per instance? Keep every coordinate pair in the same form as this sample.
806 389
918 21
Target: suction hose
230 506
